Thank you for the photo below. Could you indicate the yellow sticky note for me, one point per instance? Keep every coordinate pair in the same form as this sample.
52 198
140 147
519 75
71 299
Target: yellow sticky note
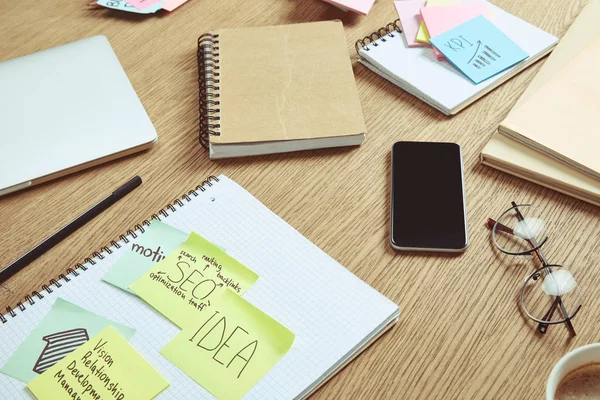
229 349
422 34
182 286
105 367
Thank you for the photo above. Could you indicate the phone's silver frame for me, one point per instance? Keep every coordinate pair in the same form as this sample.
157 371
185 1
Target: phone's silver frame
431 249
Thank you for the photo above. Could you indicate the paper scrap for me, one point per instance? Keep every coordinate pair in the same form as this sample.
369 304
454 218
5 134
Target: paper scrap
170 5
122 5
60 332
143 4
156 243
410 18
443 18
106 367
358 6
182 286
229 349
422 35
479 49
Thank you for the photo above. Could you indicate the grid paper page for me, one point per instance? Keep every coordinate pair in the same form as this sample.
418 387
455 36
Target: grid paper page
331 312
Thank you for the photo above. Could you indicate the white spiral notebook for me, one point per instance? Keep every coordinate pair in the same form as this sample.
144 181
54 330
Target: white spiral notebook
333 314
438 83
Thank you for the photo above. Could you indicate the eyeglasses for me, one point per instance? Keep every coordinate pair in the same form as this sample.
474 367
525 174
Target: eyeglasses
550 295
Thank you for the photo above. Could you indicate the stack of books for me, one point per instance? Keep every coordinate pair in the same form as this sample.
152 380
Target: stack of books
550 136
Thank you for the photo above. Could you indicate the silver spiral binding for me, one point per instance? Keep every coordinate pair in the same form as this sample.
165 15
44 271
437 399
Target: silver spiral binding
208 87
390 30
138 229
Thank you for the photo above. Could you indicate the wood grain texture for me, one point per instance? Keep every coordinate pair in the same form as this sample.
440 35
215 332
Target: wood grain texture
460 335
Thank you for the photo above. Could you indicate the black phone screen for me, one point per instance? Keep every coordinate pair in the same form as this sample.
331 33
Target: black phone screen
427 203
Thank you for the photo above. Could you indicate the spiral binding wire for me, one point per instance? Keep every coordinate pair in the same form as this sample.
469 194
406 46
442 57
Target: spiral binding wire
380 34
208 87
131 233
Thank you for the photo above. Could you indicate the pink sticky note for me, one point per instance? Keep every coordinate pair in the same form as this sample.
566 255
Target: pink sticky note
358 6
410 18
170 5
440 19
142 4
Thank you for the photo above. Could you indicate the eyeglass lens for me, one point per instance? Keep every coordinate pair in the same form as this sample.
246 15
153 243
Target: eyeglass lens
520 230
551 295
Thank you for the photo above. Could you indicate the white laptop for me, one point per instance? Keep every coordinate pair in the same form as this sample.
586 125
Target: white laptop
65 109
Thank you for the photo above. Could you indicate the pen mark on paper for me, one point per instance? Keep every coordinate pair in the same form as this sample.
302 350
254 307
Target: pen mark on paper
476 50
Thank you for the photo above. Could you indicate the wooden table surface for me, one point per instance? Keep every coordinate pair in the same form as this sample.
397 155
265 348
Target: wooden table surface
460 333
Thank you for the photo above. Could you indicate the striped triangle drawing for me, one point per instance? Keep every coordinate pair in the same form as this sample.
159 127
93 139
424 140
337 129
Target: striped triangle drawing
58 346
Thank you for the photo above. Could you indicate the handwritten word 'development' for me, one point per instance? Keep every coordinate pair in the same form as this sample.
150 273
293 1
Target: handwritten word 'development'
95 363
238 347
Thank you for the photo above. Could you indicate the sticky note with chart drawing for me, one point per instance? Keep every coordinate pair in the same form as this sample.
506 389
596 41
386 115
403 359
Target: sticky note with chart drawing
106 367
230 348
183 285
154 245
478 49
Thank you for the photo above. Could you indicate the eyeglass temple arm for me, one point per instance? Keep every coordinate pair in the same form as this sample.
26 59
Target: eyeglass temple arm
548 316
542 328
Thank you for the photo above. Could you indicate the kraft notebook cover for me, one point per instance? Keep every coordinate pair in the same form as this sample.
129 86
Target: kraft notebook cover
516 158
332 323
439 84
277 89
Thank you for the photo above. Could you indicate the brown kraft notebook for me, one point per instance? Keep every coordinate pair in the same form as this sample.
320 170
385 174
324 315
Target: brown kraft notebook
277 89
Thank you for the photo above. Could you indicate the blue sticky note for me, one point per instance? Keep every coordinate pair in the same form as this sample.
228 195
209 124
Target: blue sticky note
478 49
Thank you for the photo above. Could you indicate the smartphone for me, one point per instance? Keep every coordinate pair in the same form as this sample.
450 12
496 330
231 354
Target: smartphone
428 208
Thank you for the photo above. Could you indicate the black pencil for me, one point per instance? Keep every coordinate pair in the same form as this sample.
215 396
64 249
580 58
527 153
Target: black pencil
68 229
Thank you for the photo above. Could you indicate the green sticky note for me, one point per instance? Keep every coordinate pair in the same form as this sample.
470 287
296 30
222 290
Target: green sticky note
157 242
230 348
183 285
106 367
60 332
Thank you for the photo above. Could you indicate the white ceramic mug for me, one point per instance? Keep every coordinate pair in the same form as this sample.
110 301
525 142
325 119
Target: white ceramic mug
570 362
